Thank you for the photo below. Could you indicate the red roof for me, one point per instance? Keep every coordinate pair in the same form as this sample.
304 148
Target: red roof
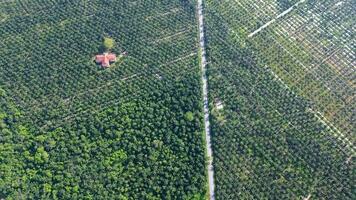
105 59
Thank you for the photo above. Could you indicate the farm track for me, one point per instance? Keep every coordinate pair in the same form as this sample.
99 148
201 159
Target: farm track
205 101
276 18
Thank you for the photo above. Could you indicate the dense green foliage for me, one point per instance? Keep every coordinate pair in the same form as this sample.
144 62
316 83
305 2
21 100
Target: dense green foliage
108 43
268 141
72 130
281 100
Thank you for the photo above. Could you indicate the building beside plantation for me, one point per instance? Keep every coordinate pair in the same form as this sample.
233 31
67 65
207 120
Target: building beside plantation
105 59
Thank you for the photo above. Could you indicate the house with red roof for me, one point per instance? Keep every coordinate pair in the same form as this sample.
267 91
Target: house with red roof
105 59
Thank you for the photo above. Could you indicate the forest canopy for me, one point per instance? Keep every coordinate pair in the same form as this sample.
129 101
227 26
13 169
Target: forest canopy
70 130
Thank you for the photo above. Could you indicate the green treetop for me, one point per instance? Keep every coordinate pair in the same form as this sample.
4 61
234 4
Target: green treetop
109 43
189 116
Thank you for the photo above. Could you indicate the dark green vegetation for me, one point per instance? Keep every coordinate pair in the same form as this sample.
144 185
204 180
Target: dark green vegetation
281 99
269 141
71 130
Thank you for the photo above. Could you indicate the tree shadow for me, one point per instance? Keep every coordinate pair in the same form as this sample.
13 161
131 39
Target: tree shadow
101 49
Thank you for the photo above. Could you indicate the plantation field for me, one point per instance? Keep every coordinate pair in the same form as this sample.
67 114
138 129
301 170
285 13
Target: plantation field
72 130
311 49
277 99
281 91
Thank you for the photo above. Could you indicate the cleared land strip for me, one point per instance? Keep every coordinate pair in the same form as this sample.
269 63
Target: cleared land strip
169 37
277 17
205 101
